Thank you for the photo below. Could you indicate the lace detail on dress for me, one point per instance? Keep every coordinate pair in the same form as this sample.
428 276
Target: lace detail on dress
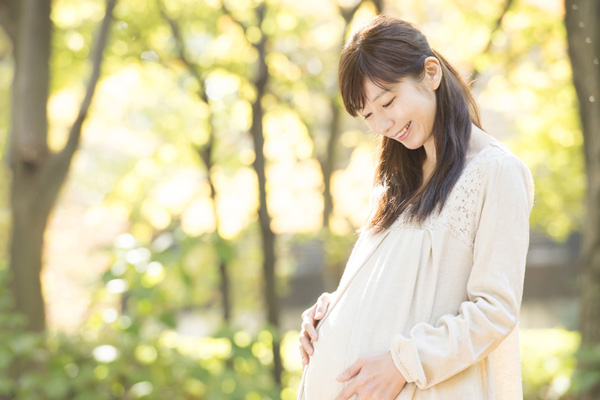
460 210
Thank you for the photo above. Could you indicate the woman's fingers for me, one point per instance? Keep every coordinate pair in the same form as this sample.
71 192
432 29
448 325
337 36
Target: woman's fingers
351 370
308 326
322 305
306 346
303 355
308 332
309 312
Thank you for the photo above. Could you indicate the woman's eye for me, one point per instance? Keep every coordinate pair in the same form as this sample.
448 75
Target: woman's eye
388 104
367 116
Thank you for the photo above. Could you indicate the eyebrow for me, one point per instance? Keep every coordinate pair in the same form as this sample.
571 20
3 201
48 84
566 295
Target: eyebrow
384 91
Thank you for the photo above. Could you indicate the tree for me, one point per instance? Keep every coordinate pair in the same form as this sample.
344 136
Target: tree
268 236
583 35
206 154
37 172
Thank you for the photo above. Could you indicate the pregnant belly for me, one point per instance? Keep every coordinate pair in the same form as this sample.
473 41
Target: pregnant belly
328 359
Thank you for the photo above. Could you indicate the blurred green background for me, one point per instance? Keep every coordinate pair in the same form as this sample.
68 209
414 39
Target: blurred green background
182 249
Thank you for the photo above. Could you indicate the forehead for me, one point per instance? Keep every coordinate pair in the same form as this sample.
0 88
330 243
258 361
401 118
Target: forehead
373 91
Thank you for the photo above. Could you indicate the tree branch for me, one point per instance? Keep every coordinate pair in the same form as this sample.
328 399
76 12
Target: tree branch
205 152
348 14
181 51
378 5
63 159
475 73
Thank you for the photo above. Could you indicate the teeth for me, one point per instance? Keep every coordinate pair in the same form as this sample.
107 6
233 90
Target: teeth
403 131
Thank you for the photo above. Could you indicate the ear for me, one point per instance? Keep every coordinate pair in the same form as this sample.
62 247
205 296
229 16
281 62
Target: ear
433 72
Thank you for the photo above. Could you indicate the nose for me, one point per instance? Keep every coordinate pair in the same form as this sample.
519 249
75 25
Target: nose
384 125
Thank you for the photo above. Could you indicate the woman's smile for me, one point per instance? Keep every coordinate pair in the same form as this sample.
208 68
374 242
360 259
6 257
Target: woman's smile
403 134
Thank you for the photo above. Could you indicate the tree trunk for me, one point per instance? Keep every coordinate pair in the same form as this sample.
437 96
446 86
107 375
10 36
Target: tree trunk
223 246
26 252
328 164
37 174
28 153
268 237
583 35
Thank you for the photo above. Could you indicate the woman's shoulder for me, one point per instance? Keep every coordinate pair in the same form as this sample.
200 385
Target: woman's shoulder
487 152
496 158
493 172
498 169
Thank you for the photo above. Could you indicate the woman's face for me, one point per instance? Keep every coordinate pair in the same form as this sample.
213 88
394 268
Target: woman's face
404 113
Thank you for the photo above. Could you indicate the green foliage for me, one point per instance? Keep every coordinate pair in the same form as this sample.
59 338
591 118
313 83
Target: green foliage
75 30
548 362
536 79
587 375
143 358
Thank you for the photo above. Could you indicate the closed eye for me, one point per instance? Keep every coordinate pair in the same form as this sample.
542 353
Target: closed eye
384 106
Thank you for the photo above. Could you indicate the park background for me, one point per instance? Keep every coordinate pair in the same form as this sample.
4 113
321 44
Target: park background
180 181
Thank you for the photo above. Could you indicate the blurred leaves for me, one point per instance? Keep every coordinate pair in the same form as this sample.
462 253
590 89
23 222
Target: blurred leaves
548 362
588 372
112 360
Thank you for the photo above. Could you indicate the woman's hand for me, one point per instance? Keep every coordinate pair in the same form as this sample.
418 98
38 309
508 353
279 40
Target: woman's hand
375 377
308 332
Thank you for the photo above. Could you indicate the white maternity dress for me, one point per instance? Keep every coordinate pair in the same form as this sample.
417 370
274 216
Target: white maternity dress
443 297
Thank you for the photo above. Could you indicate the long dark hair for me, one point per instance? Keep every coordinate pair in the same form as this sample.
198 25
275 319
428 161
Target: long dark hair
385 51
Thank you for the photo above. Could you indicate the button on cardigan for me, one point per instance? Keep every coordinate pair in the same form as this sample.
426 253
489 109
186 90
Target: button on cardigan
442 297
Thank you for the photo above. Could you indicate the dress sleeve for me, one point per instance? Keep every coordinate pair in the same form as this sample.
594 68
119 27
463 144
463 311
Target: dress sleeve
432 354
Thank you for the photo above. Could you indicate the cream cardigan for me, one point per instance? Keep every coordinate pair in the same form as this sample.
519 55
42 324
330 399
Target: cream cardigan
443 297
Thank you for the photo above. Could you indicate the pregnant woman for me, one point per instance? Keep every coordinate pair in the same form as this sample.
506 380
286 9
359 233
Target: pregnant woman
428 305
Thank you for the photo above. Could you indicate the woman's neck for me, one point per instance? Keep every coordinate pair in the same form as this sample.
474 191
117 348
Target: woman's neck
478 140
430 152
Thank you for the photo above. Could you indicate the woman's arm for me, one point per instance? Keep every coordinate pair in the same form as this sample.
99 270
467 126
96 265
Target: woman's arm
431 354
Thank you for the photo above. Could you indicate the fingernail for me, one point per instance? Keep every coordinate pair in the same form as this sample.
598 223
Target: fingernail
340 376
319 314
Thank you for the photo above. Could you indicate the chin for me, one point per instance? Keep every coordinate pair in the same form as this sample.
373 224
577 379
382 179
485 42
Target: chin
411 146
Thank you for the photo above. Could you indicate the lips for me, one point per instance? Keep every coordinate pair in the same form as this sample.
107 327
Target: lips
403 132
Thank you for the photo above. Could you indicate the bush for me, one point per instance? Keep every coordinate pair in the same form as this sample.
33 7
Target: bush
140 359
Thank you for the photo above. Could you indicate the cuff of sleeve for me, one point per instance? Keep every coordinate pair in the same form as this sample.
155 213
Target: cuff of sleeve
407 361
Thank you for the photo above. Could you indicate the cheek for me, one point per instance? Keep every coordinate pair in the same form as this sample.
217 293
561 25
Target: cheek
432 102
427 108
370 125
